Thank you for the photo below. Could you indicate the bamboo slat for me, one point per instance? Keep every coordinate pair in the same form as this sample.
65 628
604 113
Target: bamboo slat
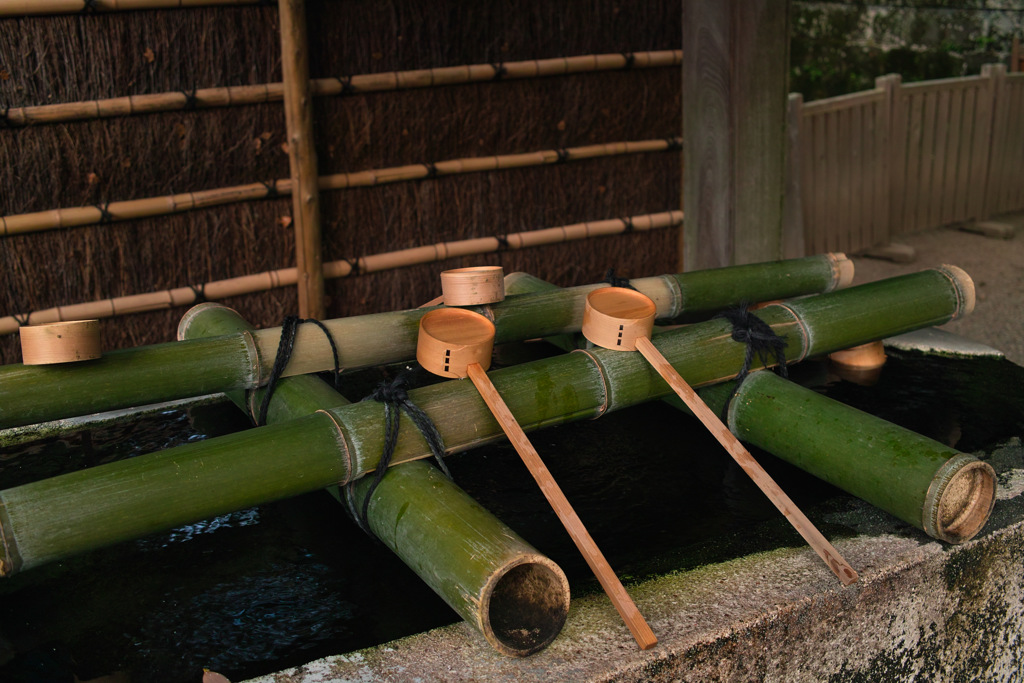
47 520
14 8
159 206
981 148
146 375
286 277
229 96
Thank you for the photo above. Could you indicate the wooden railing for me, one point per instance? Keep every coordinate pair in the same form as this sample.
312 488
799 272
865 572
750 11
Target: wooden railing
901 158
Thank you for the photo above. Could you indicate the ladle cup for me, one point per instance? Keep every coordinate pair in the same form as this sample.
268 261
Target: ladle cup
454 342
623 319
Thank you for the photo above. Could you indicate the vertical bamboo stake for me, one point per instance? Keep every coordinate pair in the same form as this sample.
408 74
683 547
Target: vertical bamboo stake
302 158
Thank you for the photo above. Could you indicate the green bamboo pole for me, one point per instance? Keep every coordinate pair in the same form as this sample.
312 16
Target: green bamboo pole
152 374
947 494
62 516
500 584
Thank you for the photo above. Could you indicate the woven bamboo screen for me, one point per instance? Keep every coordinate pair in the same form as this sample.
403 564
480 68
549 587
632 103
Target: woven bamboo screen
98 163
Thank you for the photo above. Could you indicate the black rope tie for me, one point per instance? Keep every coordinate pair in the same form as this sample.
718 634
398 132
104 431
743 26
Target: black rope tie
191 101
289 326
628 225
199 293
90 7
563 156
760 339
272 191
431 170
5 117
353 264
502 242
21 320
396 401
674 144
499 71
105 215
630 59
346 85
614 281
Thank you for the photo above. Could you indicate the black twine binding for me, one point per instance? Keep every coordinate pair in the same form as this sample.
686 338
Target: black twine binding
499 71
627 222
502 242
199 292
191 101
674 143
5 117
563 156
346 85
272 191
90 7
289 326
353 264
614 281
23 320
105 215
431 170
396 400
630 59
759 338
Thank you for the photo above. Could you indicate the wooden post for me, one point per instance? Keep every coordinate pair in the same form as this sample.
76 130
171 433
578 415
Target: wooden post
735 63
302 158
794 245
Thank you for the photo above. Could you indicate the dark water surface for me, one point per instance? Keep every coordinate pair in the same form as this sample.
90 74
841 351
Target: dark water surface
283 583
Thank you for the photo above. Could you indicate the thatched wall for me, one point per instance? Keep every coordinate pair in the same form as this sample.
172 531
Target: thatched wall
68 58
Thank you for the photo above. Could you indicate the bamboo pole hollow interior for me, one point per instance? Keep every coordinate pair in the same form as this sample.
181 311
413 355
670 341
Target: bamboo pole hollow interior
65 515
145 375
230 96
516 597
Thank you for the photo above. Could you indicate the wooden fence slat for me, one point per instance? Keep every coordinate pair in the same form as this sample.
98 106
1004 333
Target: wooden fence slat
1016 175
832 170
855 139
938 186
993 177
962 181
925 193
980 149
911 176
954 133
841 237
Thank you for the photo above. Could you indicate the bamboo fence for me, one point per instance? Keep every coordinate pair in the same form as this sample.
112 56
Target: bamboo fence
54 518
286 277
145 375
229 96
161 206
908 157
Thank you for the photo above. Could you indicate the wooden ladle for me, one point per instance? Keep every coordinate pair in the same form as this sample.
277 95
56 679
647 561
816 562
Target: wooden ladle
622 319
454 342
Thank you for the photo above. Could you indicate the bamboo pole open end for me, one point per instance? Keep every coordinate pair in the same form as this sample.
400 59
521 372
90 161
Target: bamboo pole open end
61 342
615 317
842 270
524 605
452 339
959 499
964 288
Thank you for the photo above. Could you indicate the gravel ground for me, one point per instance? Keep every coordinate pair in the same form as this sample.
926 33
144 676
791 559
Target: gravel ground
997 267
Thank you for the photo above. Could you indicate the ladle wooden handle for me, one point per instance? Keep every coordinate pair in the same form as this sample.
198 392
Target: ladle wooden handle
742 456
573 524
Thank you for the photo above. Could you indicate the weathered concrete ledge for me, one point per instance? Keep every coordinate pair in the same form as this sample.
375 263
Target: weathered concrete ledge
922 609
